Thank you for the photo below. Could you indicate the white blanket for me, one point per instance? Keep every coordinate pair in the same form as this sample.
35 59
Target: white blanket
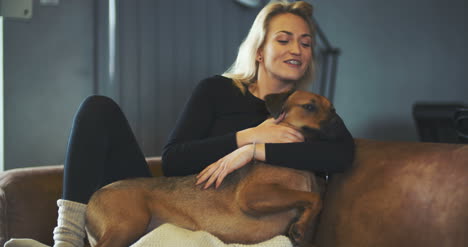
168 235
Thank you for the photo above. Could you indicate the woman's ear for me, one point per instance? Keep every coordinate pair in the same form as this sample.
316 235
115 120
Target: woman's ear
259 55
275 103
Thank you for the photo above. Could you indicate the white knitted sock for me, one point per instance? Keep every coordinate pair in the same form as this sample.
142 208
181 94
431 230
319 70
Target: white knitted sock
70 230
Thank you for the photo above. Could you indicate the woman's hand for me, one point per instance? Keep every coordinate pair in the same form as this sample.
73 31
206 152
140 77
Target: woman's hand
269 132
217 171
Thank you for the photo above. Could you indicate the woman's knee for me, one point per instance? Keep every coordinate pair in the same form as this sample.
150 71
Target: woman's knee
99 106
99 101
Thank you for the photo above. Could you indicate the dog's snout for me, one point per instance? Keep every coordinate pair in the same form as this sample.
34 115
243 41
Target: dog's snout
335 120
332 128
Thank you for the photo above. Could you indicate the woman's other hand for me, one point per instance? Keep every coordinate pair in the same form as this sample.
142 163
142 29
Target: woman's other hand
216 172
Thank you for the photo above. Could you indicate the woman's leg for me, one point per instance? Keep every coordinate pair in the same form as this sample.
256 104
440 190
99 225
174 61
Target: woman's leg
101 149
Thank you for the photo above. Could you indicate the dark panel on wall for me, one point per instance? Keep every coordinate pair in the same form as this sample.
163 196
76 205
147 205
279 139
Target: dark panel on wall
149 135
48 65
165 48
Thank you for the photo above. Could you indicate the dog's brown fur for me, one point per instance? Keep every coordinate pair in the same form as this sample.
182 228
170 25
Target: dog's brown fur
253 204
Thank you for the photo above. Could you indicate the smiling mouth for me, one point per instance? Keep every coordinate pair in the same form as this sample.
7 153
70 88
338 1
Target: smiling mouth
293 62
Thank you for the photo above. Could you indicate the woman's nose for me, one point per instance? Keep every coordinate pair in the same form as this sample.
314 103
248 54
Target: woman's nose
295 48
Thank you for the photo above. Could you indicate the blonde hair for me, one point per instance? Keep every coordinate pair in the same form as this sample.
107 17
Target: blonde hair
244 70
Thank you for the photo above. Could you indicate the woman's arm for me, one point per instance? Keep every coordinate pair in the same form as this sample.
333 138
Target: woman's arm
216 120
313 155
316 156
189 149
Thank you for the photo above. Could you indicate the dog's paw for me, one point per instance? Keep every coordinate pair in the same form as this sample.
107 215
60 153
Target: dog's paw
296 233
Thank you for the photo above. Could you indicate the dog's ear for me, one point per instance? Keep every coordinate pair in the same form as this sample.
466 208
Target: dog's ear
275 103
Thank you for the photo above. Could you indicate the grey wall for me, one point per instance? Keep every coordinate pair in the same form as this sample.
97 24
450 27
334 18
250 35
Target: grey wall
56 59
394 54
48 70
165 49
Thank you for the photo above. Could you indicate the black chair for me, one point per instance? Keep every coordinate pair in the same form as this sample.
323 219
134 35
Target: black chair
461 124
436 122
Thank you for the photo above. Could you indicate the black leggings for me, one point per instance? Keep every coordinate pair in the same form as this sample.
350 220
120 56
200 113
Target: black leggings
101 149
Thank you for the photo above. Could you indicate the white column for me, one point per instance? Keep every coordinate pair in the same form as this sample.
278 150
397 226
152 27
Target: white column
112 39
2 136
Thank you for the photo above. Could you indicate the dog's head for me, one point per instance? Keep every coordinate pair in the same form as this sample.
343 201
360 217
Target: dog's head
313 115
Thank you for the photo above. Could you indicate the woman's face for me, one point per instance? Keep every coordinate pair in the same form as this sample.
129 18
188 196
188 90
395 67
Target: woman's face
287 50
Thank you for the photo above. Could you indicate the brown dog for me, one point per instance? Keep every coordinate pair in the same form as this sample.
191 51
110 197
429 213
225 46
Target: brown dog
253 204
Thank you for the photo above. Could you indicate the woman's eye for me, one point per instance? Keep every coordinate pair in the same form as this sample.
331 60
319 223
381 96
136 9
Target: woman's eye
282 41
306 44
309 107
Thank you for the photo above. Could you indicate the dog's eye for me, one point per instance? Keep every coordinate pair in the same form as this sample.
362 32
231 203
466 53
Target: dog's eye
309 107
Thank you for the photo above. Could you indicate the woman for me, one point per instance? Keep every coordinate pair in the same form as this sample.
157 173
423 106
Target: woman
225 117
222 127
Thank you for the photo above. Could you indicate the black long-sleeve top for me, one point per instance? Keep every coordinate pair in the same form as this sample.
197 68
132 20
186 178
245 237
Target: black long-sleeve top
206 131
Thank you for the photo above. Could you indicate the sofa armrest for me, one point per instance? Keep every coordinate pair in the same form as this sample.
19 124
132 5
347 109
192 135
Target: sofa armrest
28 198
28 201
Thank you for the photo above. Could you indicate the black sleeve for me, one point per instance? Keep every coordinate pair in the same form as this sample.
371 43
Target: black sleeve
316 156
189 149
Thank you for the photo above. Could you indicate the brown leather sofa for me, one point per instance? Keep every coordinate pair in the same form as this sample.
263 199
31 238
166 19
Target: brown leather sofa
396 194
